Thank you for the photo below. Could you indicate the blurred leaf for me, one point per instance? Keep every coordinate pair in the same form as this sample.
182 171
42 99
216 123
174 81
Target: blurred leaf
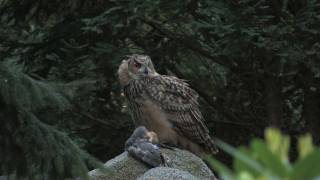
243 175
224 171
241 166
278 144
305 146
240 156
307 168
271 161
259 162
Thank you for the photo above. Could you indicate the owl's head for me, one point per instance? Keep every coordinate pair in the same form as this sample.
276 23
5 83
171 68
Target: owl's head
135 67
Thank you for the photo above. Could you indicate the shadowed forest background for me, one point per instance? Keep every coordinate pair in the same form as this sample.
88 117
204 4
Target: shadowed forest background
254 64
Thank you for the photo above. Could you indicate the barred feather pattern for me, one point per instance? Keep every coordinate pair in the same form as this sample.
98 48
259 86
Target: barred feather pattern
177 100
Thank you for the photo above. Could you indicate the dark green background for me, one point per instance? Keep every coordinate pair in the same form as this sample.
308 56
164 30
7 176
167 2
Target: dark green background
254 63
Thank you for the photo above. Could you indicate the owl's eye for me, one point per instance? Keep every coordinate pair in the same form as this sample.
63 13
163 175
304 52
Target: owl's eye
137 65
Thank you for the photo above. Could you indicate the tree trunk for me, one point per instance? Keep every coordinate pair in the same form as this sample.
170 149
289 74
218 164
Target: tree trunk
274 101
311 106
273 94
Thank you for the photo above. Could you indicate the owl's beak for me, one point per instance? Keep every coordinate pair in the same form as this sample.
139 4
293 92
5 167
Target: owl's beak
146 71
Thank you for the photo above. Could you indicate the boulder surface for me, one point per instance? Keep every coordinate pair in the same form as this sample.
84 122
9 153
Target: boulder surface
167 174
181 164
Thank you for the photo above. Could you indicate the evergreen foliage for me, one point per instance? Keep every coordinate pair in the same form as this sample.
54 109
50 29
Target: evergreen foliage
26 93
31 148
254 64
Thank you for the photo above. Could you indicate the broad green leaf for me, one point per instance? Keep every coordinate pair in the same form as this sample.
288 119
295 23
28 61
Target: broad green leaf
240 166
224 172
270 161
307 168
244 175
305 146
267 177
240 156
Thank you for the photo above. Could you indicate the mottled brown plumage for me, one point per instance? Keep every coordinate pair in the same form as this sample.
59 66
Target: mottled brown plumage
165 105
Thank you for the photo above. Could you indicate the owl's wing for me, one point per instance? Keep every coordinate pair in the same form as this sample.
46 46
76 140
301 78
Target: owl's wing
180 102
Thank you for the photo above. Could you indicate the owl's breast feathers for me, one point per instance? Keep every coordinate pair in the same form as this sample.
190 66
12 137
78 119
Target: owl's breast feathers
177 100
170 92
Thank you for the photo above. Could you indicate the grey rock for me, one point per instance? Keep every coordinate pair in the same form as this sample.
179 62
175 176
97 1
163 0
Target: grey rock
125 167
187 161
122 167
166 173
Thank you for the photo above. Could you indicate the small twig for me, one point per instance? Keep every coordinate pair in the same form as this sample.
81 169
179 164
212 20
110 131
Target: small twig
100 121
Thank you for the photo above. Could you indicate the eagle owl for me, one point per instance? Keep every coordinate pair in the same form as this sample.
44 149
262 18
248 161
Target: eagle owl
165 105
